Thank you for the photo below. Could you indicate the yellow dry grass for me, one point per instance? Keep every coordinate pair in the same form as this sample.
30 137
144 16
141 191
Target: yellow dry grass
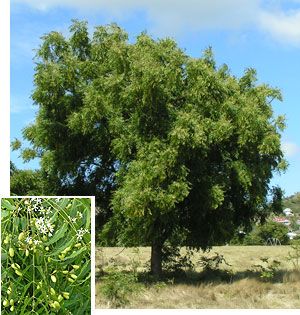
242 292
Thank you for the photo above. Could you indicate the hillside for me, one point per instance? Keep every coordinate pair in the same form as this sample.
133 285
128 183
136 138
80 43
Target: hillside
293 202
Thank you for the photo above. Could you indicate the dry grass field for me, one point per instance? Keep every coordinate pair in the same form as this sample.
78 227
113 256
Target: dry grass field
243 288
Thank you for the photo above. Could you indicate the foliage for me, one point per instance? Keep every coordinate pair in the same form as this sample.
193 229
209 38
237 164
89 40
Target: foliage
294 255
253 238
118 286
45 256
25 182
211 268
267 268
274 230
213 262
269 230
173 261
293 202
168 143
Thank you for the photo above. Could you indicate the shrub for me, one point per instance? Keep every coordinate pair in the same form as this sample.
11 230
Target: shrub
274 230
294 256
117 287
211 268
174 261
261 233
267 268
213 262
45 256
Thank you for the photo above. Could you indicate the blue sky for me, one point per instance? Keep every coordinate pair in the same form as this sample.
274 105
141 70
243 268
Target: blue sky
261 34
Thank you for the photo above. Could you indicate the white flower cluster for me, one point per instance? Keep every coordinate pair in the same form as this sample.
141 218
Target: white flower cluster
44 226
35 205
80 233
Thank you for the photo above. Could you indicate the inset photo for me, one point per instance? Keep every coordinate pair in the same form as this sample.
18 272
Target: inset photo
46 255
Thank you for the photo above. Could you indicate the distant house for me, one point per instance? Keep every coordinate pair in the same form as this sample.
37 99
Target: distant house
291 235
282 220
288 212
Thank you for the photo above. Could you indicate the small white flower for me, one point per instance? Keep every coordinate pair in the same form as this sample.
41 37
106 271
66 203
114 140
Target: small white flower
28 239
80 233
44 225
36 242
80 215
38 200
48 211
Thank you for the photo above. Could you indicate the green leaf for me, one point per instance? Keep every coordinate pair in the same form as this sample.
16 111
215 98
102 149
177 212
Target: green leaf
58 235
5 203
76 253
4 213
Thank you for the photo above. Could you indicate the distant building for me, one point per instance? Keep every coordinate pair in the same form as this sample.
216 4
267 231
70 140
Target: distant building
288 212
282 220
291 235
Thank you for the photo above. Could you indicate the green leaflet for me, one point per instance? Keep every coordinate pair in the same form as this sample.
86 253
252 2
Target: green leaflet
6 204
76 253
26 302
85 269
60 247
58 235
88 220
4 213
26 287
3 256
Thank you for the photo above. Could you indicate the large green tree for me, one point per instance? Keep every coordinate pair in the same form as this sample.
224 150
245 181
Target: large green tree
175 148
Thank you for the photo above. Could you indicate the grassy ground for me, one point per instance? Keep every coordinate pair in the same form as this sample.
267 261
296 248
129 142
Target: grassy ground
235 286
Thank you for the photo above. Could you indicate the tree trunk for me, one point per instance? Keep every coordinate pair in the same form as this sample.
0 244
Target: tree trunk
156 259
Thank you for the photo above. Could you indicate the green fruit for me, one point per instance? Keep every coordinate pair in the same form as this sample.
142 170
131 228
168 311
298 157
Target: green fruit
11 252
66 295
52 291
6 241
5 303
56 305
53 278
19 273
21 236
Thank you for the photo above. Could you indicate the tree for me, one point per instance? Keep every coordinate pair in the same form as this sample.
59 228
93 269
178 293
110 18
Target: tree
25 182
274 230
175 148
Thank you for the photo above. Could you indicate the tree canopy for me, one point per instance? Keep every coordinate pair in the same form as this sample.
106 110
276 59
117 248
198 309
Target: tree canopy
175 148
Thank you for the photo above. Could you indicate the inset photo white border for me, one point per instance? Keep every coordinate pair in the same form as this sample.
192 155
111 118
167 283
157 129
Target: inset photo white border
93 205
4 98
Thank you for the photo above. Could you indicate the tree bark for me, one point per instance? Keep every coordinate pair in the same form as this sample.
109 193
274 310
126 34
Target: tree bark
156 259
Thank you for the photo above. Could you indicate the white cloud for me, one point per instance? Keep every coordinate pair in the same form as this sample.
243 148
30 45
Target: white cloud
168 16
19 104
290 149
172 17
283 26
